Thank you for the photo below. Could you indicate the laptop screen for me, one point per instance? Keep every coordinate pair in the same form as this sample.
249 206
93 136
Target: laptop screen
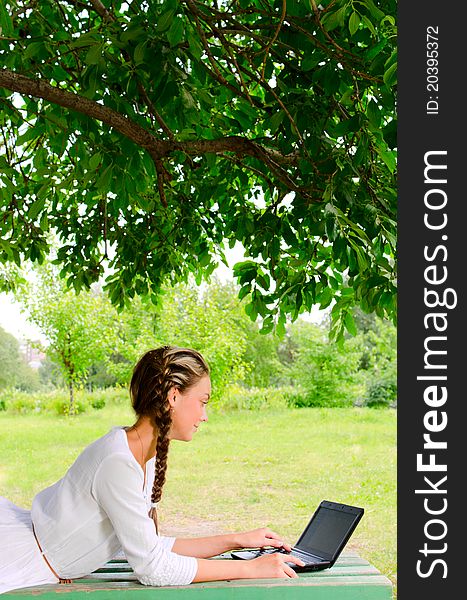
327 531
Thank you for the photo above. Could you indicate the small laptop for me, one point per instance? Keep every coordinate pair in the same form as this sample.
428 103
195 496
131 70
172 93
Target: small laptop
323 539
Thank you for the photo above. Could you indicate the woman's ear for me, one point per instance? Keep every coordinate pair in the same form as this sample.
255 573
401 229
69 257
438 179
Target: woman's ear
172 396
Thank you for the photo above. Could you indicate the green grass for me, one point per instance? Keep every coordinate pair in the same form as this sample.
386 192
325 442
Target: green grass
242 470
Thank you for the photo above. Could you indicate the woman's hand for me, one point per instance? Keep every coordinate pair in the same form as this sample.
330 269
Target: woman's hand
259 538
268 566
274 565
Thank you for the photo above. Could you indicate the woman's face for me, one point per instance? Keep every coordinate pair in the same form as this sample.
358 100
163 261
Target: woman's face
189 409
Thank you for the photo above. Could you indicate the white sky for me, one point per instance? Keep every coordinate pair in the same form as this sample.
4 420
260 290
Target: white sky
14 321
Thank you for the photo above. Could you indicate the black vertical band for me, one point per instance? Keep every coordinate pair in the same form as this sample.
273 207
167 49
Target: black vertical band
432 240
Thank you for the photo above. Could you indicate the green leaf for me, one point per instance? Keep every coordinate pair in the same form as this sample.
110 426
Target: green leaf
138 55
176 32
370 26
165 21
390 75
374 114
326 298
59 120
95 161
389 158
6 23
87 39
276 120
331 20
267 325
348 126
132 33
104 179
36 207
350 323
375 12
93 55
354 22
33 49
244 291
196 48
44 222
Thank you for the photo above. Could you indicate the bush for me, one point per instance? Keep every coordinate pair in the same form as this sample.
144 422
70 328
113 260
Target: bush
17 401
58 401
236 397
324 396
298 399
382 392
117 395
98 403
61 404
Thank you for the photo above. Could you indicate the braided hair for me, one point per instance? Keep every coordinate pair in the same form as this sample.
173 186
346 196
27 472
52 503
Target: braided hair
156 372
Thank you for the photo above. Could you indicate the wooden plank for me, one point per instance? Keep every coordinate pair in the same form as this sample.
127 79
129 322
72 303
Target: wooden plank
375 591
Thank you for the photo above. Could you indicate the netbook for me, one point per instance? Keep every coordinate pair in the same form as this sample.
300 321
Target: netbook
323 540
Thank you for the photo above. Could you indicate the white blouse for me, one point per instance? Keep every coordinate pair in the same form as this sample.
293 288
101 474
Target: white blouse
100 508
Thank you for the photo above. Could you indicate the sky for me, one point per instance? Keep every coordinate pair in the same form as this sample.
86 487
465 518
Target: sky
13 320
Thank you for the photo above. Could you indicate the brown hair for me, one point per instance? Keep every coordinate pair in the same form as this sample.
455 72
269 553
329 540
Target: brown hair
156 372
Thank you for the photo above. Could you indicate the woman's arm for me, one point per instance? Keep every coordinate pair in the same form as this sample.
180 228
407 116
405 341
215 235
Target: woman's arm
268 566
217 544
205 547
117 490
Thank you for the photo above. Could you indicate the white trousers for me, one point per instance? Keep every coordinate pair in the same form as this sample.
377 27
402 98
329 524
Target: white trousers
21 563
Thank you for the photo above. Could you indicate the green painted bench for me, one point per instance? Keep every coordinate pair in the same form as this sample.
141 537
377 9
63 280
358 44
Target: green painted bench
351 578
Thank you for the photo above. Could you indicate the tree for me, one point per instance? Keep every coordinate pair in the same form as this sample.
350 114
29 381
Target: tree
14 371
204 319
79 328
148 136
10 276
326 371
379 363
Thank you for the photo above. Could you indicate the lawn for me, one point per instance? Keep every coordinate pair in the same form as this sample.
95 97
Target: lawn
242 470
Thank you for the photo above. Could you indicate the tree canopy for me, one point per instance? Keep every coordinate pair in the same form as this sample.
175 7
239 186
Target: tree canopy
148 136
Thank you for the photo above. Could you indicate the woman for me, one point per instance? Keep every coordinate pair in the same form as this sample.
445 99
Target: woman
107 501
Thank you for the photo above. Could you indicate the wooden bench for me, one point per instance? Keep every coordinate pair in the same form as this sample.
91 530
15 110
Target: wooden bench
351 578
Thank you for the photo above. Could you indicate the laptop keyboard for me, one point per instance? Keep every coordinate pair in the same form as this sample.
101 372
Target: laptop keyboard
306 558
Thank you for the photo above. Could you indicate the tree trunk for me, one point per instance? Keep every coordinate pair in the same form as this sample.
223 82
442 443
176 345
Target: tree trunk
71 407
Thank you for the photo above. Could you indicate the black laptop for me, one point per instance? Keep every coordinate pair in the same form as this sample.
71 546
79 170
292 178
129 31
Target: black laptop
323 540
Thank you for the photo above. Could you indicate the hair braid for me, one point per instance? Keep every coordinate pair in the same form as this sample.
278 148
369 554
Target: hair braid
155 374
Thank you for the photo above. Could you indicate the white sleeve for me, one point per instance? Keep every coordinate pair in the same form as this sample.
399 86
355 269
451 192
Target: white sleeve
117 487
166 541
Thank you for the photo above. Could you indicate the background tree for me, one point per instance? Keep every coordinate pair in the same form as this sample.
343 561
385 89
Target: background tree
79 328
378 364
328 373
206 319
304 366
148 136
10 275
14 371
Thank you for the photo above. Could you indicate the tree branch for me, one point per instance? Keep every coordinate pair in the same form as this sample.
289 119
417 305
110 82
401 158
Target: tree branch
157 149
39 88
102 11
